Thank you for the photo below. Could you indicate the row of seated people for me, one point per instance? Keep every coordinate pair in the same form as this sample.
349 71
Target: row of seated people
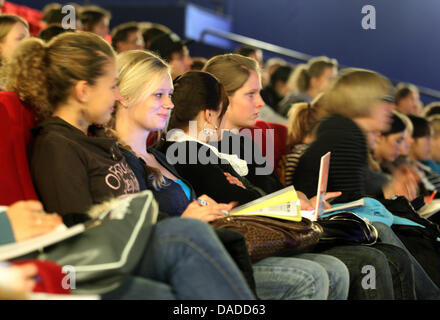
71 155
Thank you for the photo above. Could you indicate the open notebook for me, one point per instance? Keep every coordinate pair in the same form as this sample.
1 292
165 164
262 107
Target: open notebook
284 204
17 249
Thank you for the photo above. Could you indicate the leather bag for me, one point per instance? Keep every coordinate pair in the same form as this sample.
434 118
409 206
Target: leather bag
347 228
266 237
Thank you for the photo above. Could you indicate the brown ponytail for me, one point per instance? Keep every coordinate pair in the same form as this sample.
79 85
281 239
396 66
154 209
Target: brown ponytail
43 75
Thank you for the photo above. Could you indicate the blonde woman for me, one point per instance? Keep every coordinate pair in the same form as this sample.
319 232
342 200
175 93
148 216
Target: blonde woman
13 29
71 83
309 80
303 120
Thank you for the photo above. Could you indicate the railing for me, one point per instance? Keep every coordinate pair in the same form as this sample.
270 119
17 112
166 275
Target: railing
291 53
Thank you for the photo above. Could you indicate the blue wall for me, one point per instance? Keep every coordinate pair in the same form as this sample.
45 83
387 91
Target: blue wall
404 46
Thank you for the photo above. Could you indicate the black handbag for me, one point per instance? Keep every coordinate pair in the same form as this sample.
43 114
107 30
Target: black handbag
346 228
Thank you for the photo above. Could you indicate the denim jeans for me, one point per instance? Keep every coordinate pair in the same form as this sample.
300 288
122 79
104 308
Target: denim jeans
301 277
401 271
282 278
338 274
189 262
425 287
361 261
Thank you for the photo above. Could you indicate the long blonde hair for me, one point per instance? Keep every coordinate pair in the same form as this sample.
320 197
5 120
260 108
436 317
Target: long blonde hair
299 80
7 22
139 74
303 118
354 91
232 70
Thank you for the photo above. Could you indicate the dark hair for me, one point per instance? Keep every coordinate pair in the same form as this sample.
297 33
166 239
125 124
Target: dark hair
431 109
281 73
52 31
246 50
396 126
196 91
421 127
121 32
198 63
91 15
403 90
152 32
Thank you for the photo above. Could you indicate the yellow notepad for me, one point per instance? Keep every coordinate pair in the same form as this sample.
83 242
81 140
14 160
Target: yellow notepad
283 204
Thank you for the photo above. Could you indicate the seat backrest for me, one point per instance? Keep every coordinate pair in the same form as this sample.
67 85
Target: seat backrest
16 121
279 141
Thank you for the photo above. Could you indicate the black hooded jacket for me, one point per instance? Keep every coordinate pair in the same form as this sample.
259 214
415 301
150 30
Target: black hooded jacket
72 171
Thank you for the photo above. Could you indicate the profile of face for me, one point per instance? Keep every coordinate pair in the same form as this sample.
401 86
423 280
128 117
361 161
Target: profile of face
372 137
388 147
134 41
102 27
381 116
406 144
410 104
152 113
323 82
258 55
421 148
245 104
17 33
180 62
99 100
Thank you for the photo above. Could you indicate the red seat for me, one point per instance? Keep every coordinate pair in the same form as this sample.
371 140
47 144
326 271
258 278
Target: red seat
16 121
279 142
32 16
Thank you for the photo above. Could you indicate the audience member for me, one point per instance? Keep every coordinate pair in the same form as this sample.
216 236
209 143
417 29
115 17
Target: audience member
152 31
407 99
307 81
434 161
431 109
277 88
240 76
73 171
52 31
95 19
127 36
13 29
303 120
146 86
174 51
198 63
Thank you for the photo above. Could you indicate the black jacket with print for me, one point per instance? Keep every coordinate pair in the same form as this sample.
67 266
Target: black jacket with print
72 171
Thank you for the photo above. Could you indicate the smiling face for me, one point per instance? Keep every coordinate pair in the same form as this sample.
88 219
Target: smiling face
152 112
17 33
245 104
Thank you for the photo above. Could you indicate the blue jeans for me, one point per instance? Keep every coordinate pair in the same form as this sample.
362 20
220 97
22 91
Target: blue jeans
185 260
302 277
425 287
338 274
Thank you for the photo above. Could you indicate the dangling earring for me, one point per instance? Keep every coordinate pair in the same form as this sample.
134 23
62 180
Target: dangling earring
209 132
